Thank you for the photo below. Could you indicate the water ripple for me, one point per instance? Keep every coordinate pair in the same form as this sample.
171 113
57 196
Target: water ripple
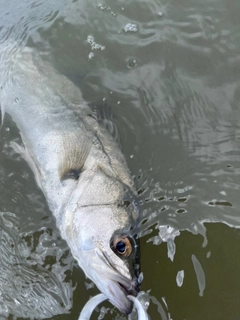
29 287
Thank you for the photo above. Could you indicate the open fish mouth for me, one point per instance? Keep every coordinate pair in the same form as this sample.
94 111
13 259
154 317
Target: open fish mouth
132 290
120 290
114 284
119 297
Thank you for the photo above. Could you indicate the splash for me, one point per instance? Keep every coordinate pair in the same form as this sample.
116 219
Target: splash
29 287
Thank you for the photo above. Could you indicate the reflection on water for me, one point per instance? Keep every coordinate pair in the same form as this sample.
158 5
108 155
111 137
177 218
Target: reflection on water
170 72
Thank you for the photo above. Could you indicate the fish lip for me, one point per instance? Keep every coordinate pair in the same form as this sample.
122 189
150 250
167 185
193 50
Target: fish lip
126 305
119 286
133 284
123 288
133 288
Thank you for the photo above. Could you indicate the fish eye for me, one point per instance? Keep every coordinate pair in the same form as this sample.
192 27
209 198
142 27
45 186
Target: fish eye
122 246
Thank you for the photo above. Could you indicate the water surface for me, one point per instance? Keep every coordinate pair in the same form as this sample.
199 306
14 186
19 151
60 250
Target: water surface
170 72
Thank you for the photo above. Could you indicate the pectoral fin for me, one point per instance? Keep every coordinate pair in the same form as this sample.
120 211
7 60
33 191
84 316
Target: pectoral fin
73 157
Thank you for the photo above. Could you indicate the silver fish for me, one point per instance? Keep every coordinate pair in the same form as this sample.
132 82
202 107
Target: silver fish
80 169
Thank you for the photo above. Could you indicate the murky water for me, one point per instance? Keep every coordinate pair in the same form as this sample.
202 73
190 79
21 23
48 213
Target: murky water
170 72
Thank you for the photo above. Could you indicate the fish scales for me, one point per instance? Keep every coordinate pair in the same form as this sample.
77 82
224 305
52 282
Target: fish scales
80 169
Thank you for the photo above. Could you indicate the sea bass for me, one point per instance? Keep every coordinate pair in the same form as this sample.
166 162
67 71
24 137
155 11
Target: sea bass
80 169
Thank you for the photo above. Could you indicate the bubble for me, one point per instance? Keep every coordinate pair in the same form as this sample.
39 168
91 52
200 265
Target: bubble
90 39
104 8
130 27
94 45
160 13
101 6
7 129
16 100
91 55
131 63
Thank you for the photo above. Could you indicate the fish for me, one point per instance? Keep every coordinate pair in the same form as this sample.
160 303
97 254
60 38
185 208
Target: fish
80 169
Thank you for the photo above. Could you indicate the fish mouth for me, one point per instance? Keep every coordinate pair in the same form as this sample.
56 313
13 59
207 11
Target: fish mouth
132 290
116 286
119 293
121 287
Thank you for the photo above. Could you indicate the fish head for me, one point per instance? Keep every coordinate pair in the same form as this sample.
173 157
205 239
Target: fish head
103 245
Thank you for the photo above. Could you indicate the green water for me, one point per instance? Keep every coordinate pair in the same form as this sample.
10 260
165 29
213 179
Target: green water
170 72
